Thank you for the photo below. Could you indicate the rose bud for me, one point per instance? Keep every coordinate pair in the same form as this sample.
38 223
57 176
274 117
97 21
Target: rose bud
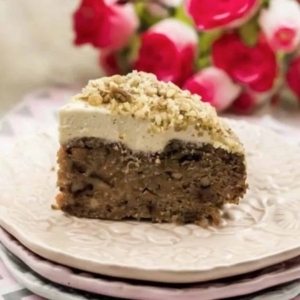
280 23
104 24
248 101
214 86
168 50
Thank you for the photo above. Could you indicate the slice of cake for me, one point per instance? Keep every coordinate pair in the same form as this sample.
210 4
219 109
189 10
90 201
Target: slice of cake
134 147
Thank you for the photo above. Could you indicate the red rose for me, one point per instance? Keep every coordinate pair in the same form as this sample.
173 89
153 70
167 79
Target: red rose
109 63
244 104
208 14
293 77
248 101
255 67
168 50
104 24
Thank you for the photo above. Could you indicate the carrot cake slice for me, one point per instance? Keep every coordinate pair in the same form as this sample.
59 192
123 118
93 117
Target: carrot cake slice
133 147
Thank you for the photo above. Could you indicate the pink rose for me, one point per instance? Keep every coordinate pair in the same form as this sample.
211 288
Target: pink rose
214 86
281 24
104 24
293 76
161 10
248 101
213 14
255 67
168 50
109 62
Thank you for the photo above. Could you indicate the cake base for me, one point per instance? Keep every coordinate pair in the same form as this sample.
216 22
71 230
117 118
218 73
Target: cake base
184 183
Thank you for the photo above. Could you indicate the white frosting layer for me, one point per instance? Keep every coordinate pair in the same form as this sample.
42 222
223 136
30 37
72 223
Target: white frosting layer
78 119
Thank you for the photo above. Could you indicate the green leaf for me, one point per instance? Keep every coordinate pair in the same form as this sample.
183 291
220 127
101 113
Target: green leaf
122 60
134 48
127 55
206 40
265 2
139 8
146 19
181 15
249 32
203 62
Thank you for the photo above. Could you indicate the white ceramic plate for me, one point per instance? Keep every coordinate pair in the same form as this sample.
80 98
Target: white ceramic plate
237 286
52 291
263 230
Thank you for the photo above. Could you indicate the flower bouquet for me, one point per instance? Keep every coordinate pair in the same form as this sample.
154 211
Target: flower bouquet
236 54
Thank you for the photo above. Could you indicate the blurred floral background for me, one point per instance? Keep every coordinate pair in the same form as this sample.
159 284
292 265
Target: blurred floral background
237 54
240 55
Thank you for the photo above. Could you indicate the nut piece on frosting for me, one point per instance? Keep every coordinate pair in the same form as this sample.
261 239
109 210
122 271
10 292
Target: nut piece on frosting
164 104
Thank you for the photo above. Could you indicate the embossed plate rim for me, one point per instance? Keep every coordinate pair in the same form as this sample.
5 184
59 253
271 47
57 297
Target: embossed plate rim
117 288
53 291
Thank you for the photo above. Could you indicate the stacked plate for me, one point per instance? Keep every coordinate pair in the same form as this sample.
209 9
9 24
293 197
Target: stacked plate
253 254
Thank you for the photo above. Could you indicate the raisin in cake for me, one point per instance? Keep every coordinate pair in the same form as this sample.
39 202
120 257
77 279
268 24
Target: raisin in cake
134 147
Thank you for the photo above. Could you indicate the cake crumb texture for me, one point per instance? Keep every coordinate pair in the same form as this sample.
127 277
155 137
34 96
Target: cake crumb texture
184 183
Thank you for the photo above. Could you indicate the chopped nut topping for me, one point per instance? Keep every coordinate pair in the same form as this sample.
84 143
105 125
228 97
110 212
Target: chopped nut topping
95 99
54 207
120 95
157 161
164 104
